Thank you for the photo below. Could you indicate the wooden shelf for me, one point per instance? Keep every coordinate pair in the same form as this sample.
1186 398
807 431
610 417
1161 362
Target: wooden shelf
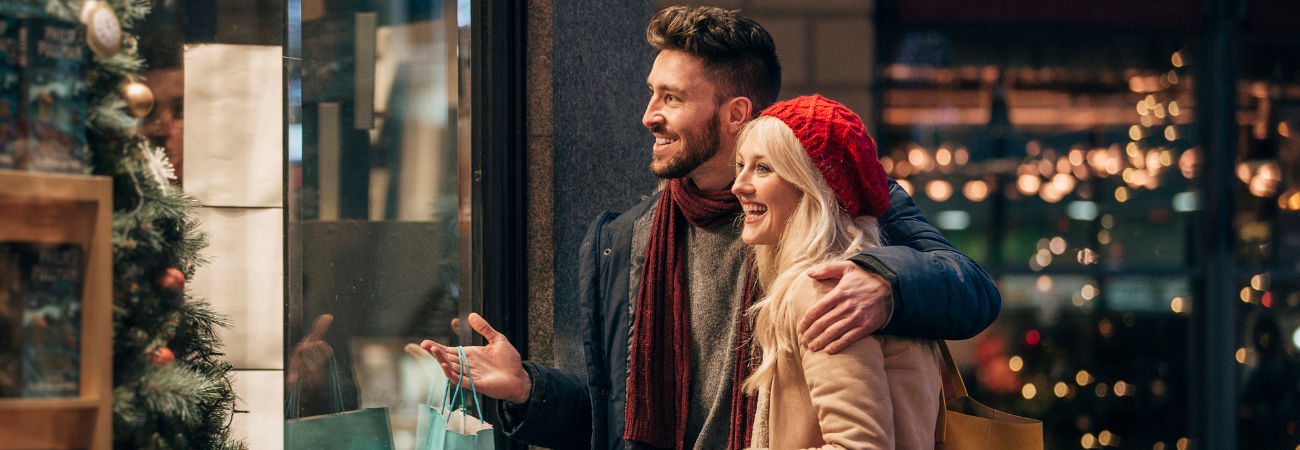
48 403
58 208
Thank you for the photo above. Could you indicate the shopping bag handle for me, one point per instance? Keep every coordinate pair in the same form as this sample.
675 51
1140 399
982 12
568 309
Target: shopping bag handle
958 388
336 400
464 370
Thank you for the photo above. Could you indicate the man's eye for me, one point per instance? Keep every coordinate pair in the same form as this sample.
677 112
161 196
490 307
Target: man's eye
740 166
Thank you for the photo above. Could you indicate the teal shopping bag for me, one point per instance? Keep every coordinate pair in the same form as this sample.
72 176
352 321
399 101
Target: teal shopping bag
365 429
451 427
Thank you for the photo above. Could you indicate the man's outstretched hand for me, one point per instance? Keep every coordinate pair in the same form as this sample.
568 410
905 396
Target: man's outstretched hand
858 306
497 369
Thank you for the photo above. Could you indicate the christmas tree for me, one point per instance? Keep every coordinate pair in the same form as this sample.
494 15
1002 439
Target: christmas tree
171 388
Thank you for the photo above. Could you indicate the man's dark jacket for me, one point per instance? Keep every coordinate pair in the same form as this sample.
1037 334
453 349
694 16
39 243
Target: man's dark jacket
942 295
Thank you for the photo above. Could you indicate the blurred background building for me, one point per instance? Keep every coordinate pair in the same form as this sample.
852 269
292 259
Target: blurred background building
1128 172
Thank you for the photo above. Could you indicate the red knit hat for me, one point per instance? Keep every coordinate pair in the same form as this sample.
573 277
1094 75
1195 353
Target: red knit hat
840 147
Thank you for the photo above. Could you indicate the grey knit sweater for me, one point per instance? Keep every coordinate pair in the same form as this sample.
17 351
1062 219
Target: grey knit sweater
716 272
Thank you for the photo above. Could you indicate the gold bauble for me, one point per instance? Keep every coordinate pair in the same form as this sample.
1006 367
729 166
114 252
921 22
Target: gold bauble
139 99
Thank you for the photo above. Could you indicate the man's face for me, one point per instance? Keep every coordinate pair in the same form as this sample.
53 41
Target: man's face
682 115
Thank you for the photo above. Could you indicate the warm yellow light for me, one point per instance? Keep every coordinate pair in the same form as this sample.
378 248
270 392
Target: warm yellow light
1172 76
1177 61
938 190
1121 388
1029 391
906 185
1187 163
1088 292
1283 129
1082 378
1060 389
1158 446
1166 158
1043 258
1259 282
1128 176
1016 363
1176 304
961 156
1044 283
1244 172
1159 111
887 163
916 157
943 156
1150 101
1088 441
1076 157
1121 194
1107 221
1104 438
1182 444
1245 294
1103 237
976 190
1058 245
1170 133
1241 355
1142 108
1028 184
1135 132
1147 121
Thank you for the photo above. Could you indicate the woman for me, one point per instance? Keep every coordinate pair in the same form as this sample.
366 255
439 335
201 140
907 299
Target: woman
811 187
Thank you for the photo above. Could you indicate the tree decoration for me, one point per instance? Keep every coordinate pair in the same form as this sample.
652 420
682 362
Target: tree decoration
171 390
172 279
103 29
139 98
159 170
162 357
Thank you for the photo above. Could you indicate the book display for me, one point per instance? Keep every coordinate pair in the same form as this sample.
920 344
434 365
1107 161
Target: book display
55 311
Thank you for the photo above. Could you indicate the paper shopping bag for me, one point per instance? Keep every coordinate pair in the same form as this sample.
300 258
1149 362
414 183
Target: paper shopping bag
451 427
366 429
965 424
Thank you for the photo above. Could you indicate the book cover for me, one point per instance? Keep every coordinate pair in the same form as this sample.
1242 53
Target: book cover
10 72
11 323
53 98
49 338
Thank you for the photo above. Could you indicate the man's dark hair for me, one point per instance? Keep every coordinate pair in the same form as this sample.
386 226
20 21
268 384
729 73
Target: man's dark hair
739 56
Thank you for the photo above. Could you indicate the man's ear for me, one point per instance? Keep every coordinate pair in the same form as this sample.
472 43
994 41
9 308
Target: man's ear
737 113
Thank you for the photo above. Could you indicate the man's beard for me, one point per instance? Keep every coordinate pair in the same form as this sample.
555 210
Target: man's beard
699 145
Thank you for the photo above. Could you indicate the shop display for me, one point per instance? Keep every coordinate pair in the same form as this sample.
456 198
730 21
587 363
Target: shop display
43 288
152 371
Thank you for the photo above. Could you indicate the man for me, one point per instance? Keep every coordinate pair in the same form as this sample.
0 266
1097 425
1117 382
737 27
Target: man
663 286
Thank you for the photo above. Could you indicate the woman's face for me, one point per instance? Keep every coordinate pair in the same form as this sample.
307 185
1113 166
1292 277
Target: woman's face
768 199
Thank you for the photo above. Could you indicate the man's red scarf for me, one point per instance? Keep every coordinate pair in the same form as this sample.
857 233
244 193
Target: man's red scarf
659 379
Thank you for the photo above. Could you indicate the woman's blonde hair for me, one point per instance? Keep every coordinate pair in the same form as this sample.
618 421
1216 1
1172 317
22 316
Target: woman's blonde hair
819 230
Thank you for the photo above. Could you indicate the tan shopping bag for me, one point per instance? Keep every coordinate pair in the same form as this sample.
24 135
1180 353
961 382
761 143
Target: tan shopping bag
964 424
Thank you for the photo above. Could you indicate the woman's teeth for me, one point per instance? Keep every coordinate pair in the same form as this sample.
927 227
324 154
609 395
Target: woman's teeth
754 210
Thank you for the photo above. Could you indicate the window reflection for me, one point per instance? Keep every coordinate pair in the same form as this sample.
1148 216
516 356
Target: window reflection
374 239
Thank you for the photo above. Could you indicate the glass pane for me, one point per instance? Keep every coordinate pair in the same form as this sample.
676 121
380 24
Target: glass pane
375 128
1268 242
1061 162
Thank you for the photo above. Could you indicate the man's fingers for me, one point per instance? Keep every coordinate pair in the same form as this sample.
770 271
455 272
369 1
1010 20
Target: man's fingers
843 342
483 328
831 270
319 327
819 309
831 333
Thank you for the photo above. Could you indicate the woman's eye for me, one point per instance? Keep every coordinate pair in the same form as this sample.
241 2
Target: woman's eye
740 166
763 169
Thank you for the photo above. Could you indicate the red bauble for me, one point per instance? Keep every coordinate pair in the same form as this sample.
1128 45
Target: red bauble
162 357
172 279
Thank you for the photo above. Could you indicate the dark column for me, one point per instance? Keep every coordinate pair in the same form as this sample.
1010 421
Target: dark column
1213 332
601 150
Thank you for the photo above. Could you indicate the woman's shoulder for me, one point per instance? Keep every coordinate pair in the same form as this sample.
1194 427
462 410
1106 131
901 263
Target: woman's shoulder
805 291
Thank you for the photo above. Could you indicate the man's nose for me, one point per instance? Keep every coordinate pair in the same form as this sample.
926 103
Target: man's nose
652 115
